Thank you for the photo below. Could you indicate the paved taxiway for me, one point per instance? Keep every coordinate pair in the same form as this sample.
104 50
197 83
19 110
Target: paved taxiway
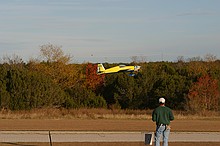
97 136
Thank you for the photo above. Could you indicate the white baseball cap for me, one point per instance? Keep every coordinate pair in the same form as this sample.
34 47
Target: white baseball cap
161 100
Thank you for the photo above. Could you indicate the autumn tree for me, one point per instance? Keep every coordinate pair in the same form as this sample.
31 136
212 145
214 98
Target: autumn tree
93 81
54 53
204 94
57 66
86 93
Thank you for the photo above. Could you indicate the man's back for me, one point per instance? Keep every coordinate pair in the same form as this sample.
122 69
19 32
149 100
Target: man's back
162 115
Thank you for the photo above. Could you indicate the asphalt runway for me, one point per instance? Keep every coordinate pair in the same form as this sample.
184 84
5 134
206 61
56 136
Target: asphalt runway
97 136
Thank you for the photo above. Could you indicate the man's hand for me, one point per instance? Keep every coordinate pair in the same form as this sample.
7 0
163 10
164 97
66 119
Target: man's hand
168 127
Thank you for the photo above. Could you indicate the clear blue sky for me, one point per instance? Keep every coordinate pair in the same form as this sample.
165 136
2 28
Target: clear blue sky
111 30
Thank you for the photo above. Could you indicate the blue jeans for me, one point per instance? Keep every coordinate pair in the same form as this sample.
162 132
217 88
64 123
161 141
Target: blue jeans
161 130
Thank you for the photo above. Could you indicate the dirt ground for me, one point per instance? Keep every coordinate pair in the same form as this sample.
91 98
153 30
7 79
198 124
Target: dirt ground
106 125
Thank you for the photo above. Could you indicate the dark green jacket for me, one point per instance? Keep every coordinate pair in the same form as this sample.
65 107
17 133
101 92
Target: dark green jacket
162 115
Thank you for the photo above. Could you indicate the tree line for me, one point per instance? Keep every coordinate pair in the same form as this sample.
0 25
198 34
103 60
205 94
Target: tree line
55 82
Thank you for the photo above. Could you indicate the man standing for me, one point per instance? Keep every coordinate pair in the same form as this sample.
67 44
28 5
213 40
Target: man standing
162 115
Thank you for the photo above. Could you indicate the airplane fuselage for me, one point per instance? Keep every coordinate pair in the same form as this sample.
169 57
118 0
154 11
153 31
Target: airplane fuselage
120 68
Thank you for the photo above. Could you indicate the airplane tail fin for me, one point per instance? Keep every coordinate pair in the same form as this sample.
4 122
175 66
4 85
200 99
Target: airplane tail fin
100 69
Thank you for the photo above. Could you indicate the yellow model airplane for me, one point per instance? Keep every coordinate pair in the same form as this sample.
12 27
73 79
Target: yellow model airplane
120 68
